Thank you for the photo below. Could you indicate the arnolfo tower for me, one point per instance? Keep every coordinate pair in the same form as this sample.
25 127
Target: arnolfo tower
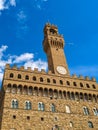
53 100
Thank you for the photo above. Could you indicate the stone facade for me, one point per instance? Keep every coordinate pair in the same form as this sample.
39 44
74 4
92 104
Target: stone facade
53 100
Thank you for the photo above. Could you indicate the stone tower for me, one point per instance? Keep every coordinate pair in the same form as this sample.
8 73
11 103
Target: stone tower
53 100
54 47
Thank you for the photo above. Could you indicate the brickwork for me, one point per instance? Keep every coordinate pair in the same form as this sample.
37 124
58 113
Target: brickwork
63 97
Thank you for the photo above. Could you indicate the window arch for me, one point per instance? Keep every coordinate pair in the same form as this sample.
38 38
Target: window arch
11 75
61 82
19 76
81 84
34 78
67 109
28 105
54 81
41 106
41 79
90 124
87 85
86 111
67 82
52 107
74 83
27 77
14 103
71 124
8 88
94 87
95 110
48 80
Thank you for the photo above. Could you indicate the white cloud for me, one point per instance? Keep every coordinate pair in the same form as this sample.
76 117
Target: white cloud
21 16
2 49
38 4
36 64
25 59
12 2
2 5
5 4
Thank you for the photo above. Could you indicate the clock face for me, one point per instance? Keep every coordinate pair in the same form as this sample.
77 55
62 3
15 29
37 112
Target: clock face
61 70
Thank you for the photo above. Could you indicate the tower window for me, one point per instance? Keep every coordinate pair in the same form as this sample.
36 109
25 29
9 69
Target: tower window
61 82
11 75
81 85
34 78
74 83
52 31
68 83
87 85
41 79
94 86
90 124
27 77
19 76
48 80
54 81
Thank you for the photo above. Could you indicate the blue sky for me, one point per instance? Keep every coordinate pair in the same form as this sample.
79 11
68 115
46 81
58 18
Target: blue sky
21 33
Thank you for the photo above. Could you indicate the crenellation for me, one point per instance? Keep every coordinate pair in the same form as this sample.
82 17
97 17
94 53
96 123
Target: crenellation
53 100
7 66
43 71
29 69
15 67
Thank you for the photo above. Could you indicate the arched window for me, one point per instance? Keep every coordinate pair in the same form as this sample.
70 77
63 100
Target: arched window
41 106
11 75
48 80
71 124
19 76
67 109
52 107
41 79
34 78
74 83
28 105
95 110
90 124
8 88
86 111
67 82
27 77
14 103
72 96
94 87
54 81
81 84
87 85
61 82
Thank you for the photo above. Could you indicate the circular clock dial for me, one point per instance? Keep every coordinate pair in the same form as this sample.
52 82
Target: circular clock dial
61 70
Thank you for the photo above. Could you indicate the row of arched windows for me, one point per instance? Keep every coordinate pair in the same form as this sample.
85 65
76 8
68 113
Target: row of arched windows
61 82
28 105
56 94
41 107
